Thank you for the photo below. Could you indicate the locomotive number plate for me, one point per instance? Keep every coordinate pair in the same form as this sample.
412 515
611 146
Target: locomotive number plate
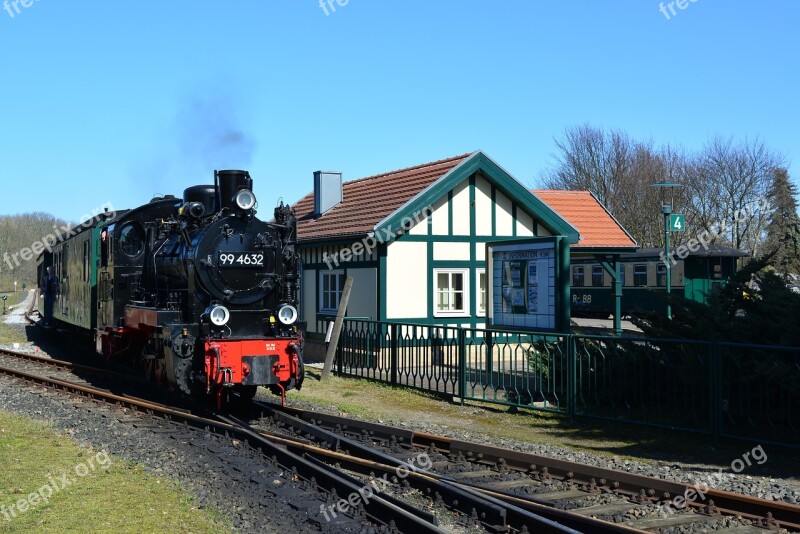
241 259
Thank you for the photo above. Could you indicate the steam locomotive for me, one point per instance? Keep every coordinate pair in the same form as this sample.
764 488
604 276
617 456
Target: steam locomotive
197 291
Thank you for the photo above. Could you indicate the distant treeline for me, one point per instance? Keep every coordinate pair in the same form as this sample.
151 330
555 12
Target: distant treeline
738 193
21 241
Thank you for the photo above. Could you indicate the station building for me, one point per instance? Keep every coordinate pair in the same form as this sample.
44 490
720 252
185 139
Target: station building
414 240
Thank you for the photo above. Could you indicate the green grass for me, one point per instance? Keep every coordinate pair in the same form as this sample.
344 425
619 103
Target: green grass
13 298
9 334
122 498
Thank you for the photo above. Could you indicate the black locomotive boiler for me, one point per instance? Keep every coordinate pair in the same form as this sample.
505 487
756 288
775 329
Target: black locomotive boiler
198 291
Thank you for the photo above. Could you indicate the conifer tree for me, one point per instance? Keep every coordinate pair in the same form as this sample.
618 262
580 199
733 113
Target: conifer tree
783 231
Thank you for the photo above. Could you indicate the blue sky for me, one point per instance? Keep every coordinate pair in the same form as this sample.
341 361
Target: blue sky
114 101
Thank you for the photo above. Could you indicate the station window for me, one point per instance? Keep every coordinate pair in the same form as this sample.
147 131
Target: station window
451 291
640 274
331 284
661 275
597 275
481 291
577 276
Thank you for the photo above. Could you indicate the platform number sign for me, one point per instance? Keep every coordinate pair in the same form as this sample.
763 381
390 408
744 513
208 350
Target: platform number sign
677 222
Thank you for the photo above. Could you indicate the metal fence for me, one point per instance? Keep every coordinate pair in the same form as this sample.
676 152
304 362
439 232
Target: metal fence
718 389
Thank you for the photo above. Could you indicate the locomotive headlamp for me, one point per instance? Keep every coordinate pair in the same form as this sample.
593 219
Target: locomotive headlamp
218 315
245 199
287 314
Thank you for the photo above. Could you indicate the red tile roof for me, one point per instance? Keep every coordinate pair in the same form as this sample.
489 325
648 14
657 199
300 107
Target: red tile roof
367 201
596 226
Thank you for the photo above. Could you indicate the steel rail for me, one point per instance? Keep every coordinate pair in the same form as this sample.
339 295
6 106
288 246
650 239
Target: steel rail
641 489
380 510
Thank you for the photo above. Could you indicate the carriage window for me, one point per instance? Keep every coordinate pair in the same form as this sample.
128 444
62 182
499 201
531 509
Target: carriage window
131 239
640 274
597 275
577 276
661 275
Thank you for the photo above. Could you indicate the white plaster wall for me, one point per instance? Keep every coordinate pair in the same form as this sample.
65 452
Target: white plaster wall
440 213
503 219
483 207
461 211
406 280
451 251
421 228
480 251
524 224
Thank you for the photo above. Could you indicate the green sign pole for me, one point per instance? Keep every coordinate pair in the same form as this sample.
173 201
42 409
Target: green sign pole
677 220
668 262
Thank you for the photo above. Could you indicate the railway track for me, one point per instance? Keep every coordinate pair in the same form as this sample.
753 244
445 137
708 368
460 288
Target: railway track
318 483
495 488
329 483
532 482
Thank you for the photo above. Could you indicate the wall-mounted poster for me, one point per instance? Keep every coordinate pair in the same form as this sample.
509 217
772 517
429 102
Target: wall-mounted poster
533 287
522 288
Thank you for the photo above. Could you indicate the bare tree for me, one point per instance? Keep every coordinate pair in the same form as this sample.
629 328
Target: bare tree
736 179
724 184
619 172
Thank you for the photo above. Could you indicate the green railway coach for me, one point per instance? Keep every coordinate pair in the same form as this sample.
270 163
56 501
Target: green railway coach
644 277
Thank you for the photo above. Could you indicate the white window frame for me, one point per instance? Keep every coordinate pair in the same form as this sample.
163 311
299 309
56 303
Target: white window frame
465 312
322 275
478 273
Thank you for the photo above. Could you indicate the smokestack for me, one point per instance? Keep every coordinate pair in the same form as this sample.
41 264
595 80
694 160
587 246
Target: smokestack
327 191
230 183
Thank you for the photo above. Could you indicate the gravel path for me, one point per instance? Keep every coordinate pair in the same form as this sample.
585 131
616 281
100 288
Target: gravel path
17 315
